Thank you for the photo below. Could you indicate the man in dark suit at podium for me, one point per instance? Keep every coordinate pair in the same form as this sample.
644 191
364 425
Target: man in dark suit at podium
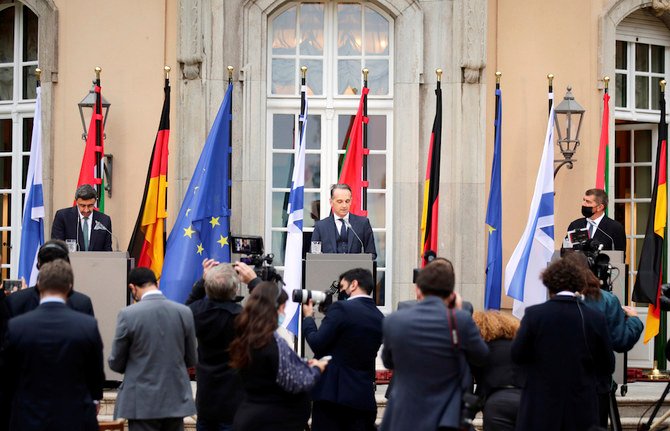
602 229
343 232
90 229
52 360
25 300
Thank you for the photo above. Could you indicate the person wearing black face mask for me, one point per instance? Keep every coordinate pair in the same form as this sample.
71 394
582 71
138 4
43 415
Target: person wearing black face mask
602 229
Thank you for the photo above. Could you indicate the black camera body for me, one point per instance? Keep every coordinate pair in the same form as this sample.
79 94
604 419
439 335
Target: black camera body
470 405
599 263
252 247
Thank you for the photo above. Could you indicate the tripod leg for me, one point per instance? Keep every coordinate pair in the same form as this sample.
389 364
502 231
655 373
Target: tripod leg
657 407
615 419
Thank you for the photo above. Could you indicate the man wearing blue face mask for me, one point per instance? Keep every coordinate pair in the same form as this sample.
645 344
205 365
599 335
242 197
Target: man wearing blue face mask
602 229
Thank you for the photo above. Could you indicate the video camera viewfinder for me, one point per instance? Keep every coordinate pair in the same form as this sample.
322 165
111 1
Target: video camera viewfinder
249 245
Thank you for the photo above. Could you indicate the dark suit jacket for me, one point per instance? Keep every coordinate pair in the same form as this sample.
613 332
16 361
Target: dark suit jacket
563 346
26 300
325 230
220 389
606 227
66 223
351 333
54 357
427 375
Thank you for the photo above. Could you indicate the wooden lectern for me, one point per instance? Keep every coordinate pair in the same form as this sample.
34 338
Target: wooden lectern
103 276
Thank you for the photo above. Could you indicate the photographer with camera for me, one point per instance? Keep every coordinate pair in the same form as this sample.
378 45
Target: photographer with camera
429 347
564 347
351 332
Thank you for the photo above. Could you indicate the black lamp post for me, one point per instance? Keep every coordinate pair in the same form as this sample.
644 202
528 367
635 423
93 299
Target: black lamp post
568 117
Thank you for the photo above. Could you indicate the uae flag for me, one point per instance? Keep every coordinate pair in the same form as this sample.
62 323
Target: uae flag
650 270
431 190
352 167
91 169
147 244
603 152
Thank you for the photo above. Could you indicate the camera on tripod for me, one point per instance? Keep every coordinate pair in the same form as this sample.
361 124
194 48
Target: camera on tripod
598 262
252 249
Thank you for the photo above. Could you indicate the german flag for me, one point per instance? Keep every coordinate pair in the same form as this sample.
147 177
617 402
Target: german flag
147 245
431 190
650 270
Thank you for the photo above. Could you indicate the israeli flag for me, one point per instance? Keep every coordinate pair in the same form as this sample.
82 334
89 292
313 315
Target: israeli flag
536 247
32 229
293 255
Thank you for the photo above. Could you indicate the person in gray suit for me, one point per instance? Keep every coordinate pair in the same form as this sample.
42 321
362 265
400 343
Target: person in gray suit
153 346
427 360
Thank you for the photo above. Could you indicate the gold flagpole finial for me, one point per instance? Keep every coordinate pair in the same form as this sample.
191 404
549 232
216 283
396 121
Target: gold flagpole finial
607 82
230 72
97 72
303 71
550 77
498 75
662 84
167 71
365 74
38 74
438 72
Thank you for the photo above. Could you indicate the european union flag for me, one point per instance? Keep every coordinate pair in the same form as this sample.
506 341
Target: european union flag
202 227
494 219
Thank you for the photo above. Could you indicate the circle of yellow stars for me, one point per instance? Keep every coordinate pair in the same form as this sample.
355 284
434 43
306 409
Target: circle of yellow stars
214 221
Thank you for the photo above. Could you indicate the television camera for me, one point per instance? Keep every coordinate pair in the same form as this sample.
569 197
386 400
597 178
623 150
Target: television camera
251 247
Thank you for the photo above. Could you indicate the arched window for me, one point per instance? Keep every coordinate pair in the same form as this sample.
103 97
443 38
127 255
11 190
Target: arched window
18 60
335 40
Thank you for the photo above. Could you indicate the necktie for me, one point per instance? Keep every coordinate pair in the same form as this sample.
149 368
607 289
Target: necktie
592 229
84 229
343 229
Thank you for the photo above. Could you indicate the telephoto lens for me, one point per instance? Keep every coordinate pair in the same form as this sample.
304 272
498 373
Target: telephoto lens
303 296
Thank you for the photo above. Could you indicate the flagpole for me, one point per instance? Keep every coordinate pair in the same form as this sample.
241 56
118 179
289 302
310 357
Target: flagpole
299 339
550 78
365 143
98 134
230 139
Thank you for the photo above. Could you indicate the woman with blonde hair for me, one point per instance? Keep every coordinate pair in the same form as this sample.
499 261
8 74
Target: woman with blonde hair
499 380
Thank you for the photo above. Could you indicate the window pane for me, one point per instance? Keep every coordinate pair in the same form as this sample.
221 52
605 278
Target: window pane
5 135
314 79
376 33
7 35
283 33
377 171
621 54
643 181
378 78
657 59
380 288
622 179
5 172
281 170
311 29
641 217
24 171
622 143
638 250
312 210
642 92
620 214
349 29
278 247
279 205
621 87
27 133
377 209
283 76
377 132
313 138
6 83
29 35
348 76
655 93
642 57
282 130
29 82
642 145
380 244
344 124
313 171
